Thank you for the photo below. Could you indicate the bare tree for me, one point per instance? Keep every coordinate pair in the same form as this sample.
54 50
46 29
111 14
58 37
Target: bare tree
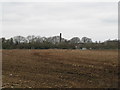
75 40
86 40
30 38
19 39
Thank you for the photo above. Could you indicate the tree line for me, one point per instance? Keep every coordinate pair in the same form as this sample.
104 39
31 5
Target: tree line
37 42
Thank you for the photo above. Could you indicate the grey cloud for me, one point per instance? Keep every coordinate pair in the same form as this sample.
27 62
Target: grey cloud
110 20
72 19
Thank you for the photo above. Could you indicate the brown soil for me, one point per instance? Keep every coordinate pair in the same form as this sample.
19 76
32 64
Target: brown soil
59 68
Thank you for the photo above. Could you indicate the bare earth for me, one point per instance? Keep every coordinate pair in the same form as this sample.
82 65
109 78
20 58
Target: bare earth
59 68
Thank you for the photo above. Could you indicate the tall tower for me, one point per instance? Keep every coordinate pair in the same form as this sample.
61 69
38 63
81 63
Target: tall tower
60 37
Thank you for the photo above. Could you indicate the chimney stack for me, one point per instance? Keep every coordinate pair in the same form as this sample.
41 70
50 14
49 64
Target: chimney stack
60 37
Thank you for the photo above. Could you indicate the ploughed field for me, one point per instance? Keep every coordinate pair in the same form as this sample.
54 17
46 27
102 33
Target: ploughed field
55 68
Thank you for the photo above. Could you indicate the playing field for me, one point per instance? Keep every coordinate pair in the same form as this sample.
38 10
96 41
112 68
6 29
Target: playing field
55 68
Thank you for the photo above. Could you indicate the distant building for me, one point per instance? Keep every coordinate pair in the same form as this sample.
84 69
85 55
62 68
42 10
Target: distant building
84 48
79 45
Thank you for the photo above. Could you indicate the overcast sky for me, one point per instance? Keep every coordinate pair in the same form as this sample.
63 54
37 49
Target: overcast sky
97 20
